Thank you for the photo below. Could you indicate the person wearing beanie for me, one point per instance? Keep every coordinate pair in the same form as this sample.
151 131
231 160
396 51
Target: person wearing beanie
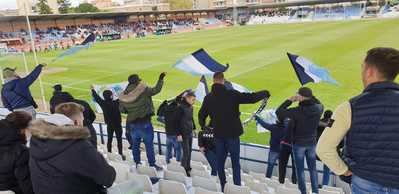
59 97
15 94
136 102
112 117
303 133
14 155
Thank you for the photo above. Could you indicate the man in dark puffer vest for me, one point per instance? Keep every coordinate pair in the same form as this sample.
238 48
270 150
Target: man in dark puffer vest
370 125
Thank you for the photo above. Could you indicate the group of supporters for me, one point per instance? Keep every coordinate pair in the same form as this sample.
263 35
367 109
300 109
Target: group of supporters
58 154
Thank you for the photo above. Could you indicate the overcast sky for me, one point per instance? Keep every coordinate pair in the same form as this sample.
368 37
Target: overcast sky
11 4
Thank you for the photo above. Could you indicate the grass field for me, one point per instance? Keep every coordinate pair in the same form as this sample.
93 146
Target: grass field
257 55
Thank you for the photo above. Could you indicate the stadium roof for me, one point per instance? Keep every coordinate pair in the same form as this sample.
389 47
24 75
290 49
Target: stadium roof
99 15
301 3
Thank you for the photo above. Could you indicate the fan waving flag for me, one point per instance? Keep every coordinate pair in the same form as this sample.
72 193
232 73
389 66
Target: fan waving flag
307 71
200 63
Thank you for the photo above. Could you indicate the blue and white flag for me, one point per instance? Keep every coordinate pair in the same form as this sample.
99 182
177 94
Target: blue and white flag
202 89
89 40
200 63
116 89
307 71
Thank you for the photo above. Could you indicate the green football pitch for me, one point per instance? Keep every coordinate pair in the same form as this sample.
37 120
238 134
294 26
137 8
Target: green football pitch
256 54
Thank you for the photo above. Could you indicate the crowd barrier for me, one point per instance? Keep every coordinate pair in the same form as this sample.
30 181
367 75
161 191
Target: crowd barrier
253 156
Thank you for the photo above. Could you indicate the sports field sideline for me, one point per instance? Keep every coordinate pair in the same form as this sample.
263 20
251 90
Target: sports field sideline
256 54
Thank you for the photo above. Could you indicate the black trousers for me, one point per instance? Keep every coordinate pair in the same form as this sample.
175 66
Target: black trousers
118 133
285 153
187 146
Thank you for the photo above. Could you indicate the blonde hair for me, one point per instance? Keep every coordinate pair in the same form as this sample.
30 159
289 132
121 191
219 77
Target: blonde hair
69 109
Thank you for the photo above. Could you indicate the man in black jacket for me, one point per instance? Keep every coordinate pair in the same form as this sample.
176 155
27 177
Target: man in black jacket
112 117
303 132
62 160
223 108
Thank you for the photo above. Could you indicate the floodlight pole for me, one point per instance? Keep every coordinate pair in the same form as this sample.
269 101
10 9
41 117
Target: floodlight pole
32 42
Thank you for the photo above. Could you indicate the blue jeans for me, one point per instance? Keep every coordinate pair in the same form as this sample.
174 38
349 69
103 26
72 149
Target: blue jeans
300 152
230 146
172 143
210 155
326 175
142 131
362 186
271 162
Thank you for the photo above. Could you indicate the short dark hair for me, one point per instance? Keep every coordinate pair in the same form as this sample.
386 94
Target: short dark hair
218 76
305 92
385 60
19 119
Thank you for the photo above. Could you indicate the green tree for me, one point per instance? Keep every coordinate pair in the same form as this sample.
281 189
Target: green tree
43 7
64 6
86 8
180 4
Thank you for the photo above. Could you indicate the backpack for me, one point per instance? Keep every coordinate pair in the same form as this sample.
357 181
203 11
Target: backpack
168 114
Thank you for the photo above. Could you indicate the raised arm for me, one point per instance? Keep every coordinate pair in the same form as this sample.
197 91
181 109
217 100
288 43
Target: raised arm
283 110
96 97
158 87
250 98
29 79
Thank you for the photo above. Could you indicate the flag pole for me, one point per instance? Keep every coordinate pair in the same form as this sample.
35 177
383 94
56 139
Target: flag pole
32 42
25 63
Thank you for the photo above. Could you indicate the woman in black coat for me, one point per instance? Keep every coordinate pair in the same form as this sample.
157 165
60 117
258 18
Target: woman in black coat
14 155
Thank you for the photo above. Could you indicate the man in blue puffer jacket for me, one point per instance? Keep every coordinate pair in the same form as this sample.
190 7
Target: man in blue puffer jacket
15 93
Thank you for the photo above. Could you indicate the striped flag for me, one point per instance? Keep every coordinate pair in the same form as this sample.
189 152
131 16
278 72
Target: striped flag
200 63
307 71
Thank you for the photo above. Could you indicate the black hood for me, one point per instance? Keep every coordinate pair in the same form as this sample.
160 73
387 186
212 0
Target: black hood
311 107
218 89
9 135
49 140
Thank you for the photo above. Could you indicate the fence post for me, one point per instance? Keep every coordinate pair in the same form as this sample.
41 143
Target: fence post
159 143
101 133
